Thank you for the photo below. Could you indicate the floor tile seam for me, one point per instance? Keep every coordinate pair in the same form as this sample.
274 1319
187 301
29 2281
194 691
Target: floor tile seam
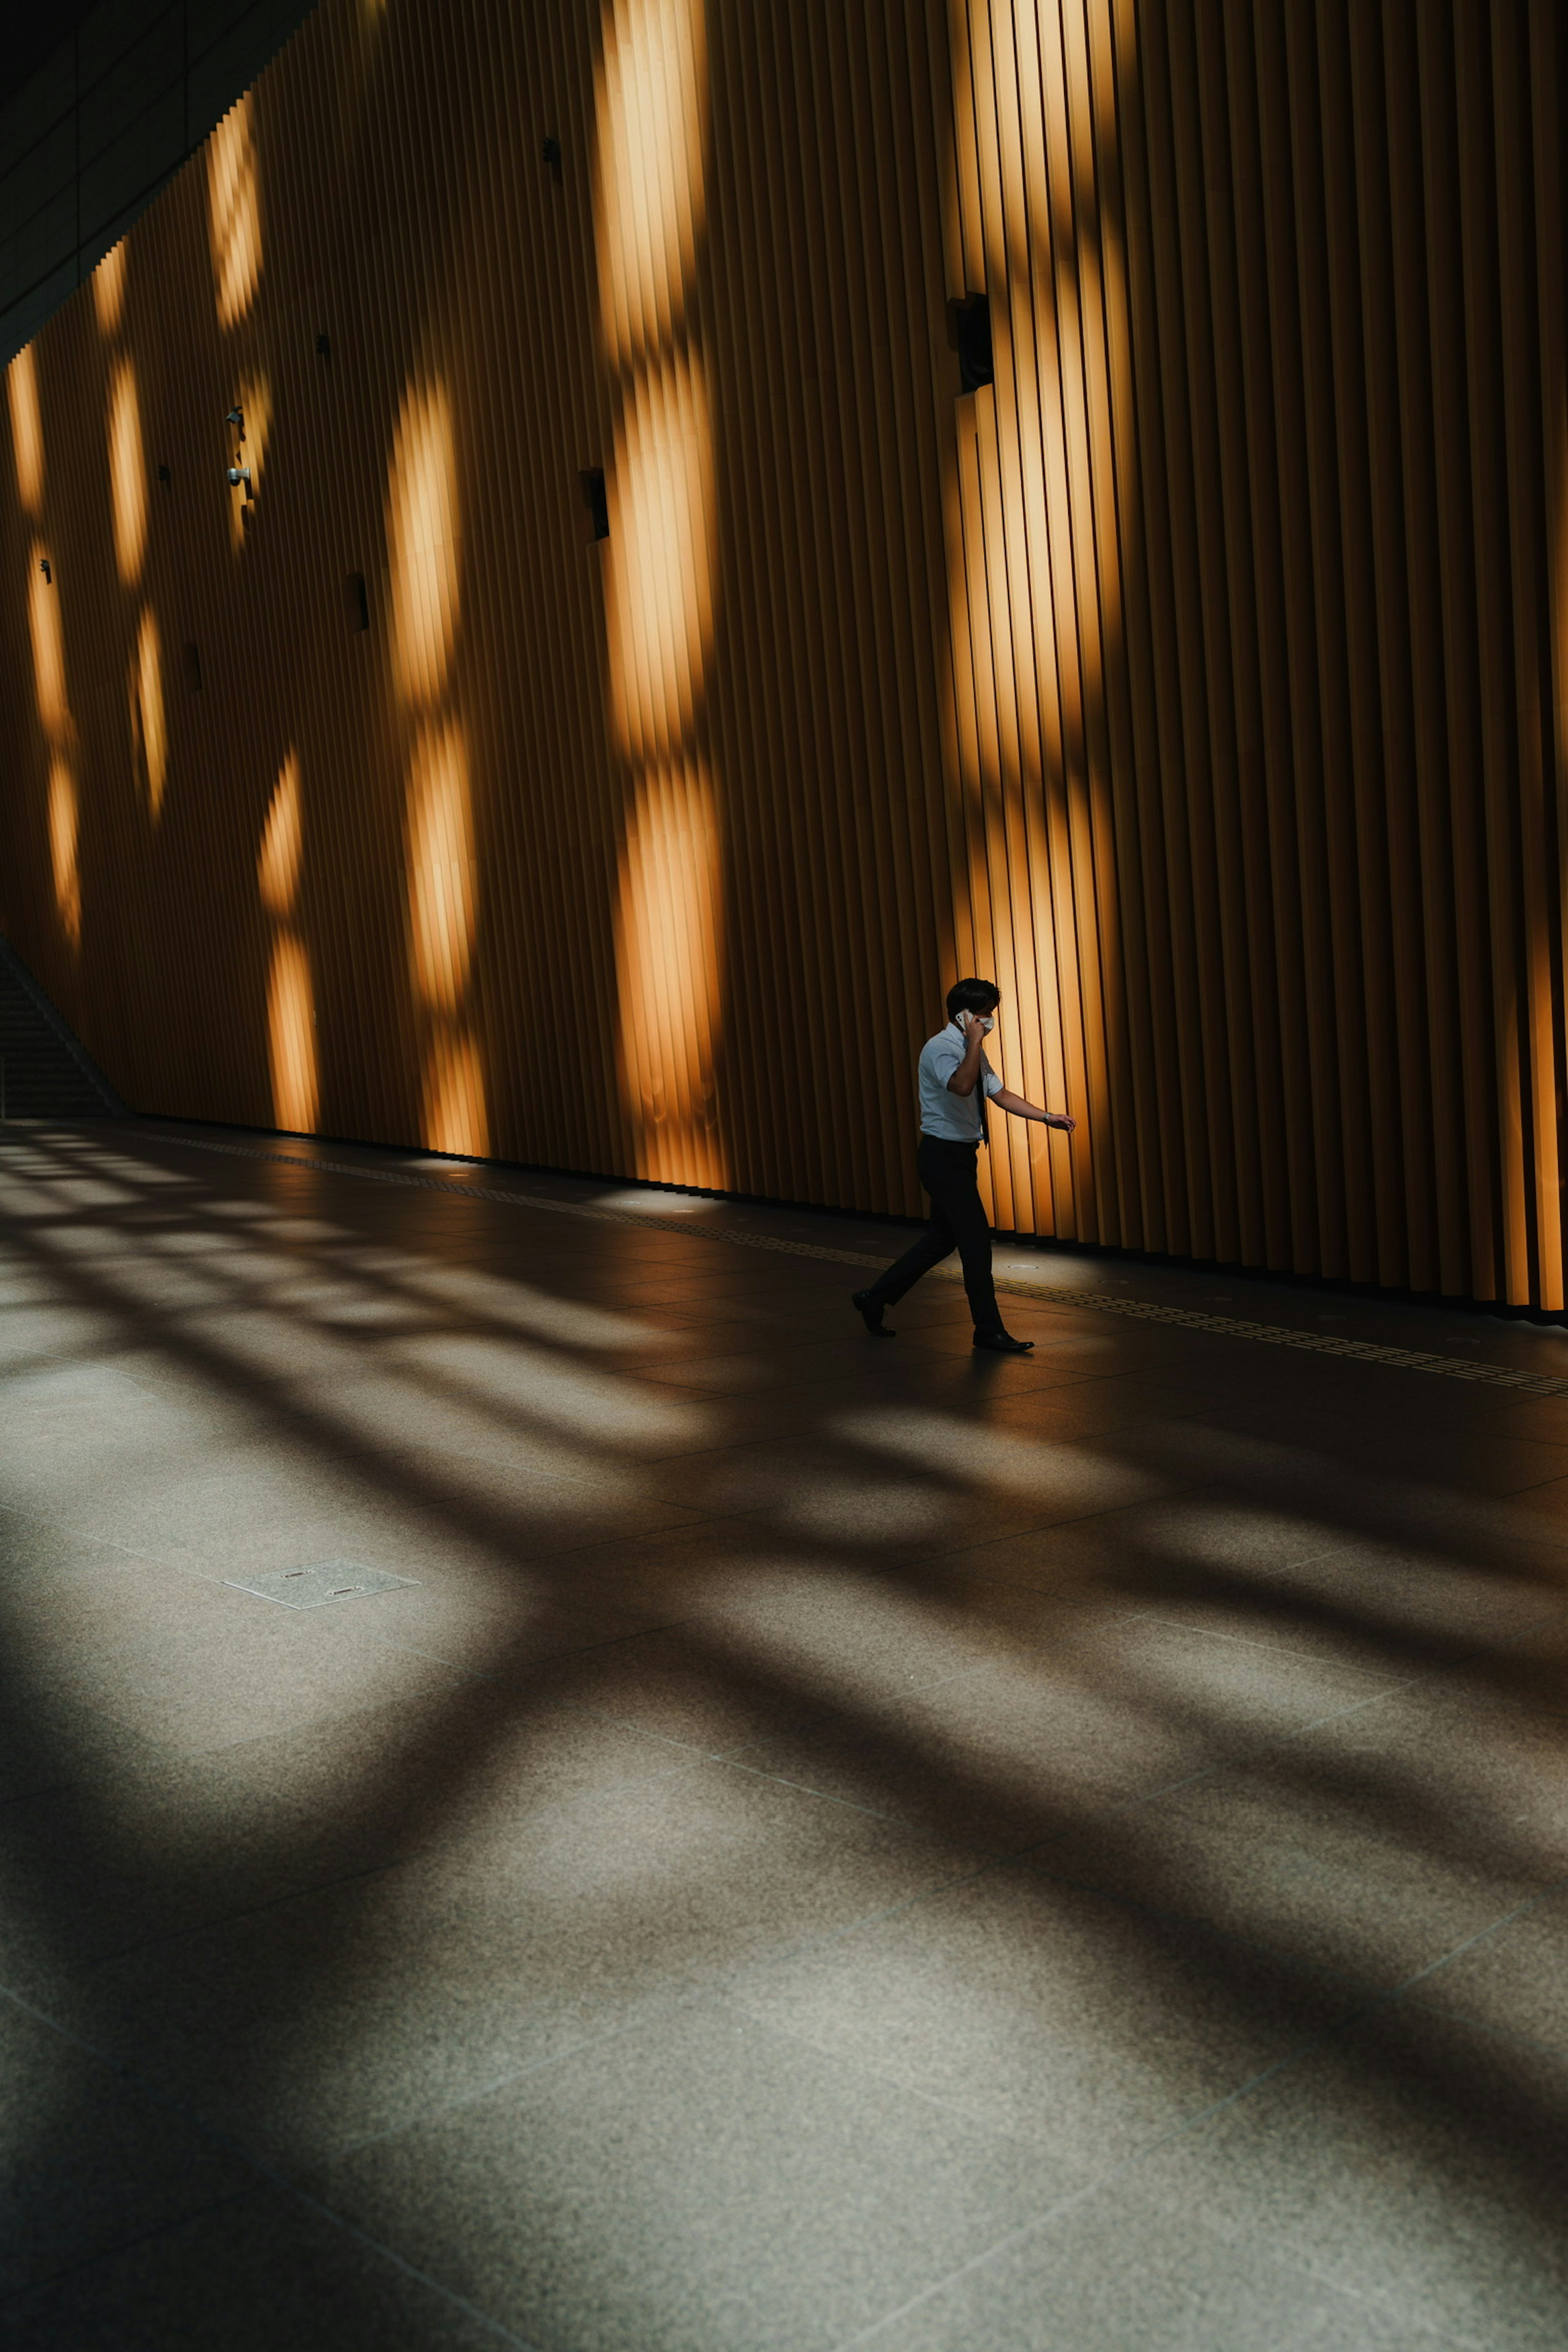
1013 2239
122 2246
732 1760
171 1937
270 2179
1238 1758
1449 1665
727 1998
1174 1491
1355 1989
148 2087
1268 1648
1068 1301
1016 1647
424 2278
50 1521
278 2184
1387 1695
1241 1641
1254 2083
1106 1814
1519 1633
684 1991
830 1709
1407 1986
983 1866
1383 2000
417 1849
1513 2037
1203 1924
494 1678
1376 1995
1439 1680
986 1852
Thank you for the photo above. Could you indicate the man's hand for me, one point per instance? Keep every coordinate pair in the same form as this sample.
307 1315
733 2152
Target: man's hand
1060 1119
966 1077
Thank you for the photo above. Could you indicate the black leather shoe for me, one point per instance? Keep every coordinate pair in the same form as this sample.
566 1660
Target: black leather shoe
871 1314
1001 1343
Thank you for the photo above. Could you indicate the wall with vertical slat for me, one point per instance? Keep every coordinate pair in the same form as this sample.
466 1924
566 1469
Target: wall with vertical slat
1202 677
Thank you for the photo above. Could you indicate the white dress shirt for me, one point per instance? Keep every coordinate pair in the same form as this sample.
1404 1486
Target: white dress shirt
955 1118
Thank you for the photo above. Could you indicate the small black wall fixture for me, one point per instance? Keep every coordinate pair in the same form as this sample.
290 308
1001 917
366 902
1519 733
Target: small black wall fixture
194 668
48 571
595 501
969 332
323 345
552 157
357 600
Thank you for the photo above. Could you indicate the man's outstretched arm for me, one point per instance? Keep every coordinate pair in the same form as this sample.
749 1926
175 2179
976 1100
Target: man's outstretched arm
1004 1100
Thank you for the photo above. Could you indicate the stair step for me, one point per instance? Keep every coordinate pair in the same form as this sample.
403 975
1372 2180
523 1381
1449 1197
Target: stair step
40 1075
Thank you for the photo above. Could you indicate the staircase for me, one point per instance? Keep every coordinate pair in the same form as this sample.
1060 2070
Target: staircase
46 1074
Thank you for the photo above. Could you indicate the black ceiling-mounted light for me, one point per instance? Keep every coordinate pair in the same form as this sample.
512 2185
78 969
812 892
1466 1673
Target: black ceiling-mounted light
552 157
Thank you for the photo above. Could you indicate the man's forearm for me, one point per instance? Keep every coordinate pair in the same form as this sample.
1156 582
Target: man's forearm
1019 1109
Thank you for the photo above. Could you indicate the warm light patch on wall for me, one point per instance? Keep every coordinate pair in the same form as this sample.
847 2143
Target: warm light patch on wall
26 431
48 648
441 883
1034 585
424 550
149 725
63 849
292 1035
278 866
661 558
661 580
421 546
253 398
109 291
652 149
290 998
668 963
234 213
59 737
127 473
454 1117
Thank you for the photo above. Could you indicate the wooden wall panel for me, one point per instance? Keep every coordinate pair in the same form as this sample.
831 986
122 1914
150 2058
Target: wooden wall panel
1203 677
1307 678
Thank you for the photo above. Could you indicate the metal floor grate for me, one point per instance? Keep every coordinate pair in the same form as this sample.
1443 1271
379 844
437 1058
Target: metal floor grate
323 1583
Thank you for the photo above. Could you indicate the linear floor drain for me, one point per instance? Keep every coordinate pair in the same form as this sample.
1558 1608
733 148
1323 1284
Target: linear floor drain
324 1581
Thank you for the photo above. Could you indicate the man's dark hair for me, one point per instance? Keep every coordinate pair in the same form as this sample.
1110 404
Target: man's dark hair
972 996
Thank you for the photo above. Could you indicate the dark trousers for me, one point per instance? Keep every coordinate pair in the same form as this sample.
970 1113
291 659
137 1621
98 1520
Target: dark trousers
957 1222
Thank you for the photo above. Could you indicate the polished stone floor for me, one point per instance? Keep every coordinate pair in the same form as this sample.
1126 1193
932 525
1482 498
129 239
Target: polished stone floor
824 1844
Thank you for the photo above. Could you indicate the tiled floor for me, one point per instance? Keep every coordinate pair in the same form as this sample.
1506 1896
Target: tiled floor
835 1845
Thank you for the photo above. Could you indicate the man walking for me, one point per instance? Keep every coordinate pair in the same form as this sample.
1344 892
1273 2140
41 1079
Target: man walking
955 1081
